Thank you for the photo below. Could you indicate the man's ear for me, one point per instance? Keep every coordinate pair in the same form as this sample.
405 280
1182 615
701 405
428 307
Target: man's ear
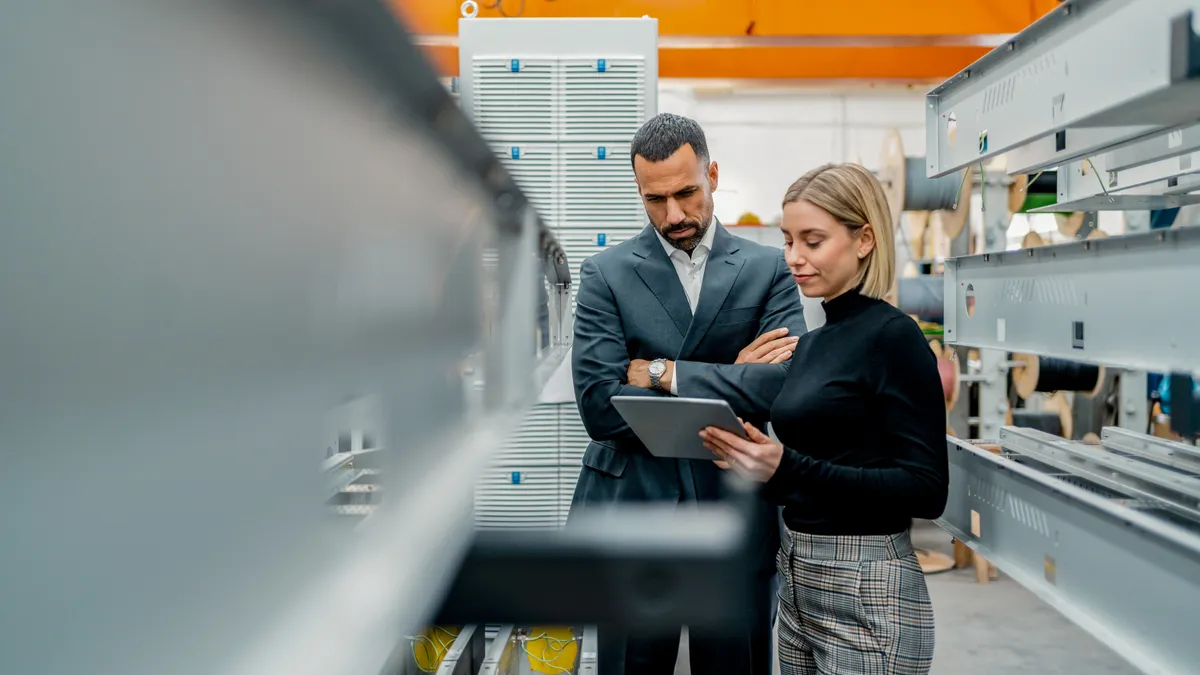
712 176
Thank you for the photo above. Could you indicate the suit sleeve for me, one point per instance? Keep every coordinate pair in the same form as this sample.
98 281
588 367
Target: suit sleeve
600 358
750 388
912 417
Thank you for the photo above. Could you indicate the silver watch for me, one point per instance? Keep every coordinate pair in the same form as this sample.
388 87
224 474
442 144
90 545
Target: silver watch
657 368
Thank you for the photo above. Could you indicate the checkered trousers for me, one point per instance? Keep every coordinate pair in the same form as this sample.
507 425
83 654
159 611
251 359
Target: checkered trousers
852 606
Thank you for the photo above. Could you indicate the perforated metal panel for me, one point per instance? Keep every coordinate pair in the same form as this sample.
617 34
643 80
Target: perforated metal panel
581 243
602 98
569 103
535 167
598 187
572 442
514 98
520 489
531 483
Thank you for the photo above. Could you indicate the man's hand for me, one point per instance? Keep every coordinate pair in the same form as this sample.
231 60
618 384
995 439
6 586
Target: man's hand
771 347
639 374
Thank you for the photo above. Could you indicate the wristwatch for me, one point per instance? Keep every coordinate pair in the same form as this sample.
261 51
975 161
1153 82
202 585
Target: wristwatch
657 368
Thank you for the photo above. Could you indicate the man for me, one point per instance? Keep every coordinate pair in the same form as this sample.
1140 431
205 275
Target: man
666 313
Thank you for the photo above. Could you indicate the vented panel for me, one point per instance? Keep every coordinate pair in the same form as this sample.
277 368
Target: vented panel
513 98
601 98
520 488
534 166
573 441
598 188
582 243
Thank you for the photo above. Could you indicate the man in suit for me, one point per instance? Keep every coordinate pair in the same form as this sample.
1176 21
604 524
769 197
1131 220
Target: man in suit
668 312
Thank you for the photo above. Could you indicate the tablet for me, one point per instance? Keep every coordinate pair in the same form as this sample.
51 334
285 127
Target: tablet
670 427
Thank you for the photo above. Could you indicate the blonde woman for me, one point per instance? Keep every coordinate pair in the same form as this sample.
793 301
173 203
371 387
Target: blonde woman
861 419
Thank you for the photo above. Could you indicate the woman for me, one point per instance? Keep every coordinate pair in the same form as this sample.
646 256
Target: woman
862 422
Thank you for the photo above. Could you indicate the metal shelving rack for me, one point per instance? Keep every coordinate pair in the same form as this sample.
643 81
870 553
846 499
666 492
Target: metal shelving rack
1107 92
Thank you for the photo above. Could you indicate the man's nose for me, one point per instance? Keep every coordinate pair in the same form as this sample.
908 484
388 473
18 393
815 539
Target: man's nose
675 214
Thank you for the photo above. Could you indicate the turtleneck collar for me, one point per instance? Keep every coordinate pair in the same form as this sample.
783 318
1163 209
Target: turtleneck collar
846 305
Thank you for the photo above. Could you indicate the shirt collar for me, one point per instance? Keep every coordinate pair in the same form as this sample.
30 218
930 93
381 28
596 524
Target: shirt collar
703 248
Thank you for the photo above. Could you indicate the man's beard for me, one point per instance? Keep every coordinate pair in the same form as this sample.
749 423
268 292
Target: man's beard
687 244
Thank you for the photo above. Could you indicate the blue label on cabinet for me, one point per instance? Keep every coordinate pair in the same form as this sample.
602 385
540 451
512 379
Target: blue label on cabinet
515 65
516 478
601 65
516 152
601 238
601 152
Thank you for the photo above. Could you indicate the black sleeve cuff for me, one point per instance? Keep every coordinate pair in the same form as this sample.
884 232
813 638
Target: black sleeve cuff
779 486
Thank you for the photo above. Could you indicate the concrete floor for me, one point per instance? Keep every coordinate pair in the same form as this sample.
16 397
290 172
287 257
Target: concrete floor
999 628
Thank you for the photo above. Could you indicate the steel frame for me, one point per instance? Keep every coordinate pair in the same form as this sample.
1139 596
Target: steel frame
1123 65
1069 543
1063 300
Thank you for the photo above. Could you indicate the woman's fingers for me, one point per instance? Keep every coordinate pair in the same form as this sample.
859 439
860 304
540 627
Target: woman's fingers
754 434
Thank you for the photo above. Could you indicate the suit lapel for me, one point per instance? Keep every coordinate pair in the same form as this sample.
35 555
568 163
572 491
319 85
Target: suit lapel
659 275
720 272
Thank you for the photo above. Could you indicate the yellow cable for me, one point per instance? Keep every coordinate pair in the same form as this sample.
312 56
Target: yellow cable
551 650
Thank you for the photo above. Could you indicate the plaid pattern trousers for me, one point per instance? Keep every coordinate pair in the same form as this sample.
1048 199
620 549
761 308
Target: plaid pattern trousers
852 606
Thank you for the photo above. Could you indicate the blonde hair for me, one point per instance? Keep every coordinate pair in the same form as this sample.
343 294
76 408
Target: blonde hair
854 197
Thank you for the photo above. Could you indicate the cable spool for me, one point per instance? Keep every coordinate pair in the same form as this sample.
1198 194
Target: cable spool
1096 234
1090 438
921 296
1038 191
1069 223
936 347
948 374
908 189
1032 240
916 233
1048 374
1042 420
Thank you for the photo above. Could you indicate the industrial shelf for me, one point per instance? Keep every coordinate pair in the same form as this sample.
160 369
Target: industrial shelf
1096 185
1122 301
1125 65
1119 567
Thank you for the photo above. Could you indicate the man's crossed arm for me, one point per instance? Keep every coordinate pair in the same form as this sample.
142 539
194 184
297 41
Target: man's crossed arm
600 358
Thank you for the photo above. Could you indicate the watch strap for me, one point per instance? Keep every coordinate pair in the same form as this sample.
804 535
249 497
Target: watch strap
656 378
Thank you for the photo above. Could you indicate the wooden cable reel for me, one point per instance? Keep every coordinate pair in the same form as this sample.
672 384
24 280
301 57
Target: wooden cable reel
1054 418
910 192
1032 240
947 373
1047 374
1025 195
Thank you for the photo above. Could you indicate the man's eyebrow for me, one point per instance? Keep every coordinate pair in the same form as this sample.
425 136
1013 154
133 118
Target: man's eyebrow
682 189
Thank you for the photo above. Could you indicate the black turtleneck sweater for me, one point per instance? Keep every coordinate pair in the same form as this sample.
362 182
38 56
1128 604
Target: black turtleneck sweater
863 421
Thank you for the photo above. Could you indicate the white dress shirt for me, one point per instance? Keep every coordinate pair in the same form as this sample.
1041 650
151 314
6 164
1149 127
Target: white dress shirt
691 274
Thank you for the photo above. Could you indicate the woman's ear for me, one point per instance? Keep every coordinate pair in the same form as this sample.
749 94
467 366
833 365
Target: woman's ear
866 241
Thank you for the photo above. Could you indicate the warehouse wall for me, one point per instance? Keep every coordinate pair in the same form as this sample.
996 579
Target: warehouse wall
764 139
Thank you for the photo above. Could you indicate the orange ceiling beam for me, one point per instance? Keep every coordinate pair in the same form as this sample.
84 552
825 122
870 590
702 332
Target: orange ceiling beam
901 64
756 17
931 37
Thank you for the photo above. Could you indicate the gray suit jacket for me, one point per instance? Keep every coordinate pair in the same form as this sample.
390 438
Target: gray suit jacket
630 305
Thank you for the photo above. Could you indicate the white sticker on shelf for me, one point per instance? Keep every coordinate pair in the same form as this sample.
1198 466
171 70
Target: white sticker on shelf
999 330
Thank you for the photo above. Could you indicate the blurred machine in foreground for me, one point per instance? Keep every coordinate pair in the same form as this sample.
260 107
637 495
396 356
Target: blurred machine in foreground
240 240
1105 94
269 304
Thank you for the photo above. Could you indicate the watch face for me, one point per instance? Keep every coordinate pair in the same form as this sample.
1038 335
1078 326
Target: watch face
657 368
